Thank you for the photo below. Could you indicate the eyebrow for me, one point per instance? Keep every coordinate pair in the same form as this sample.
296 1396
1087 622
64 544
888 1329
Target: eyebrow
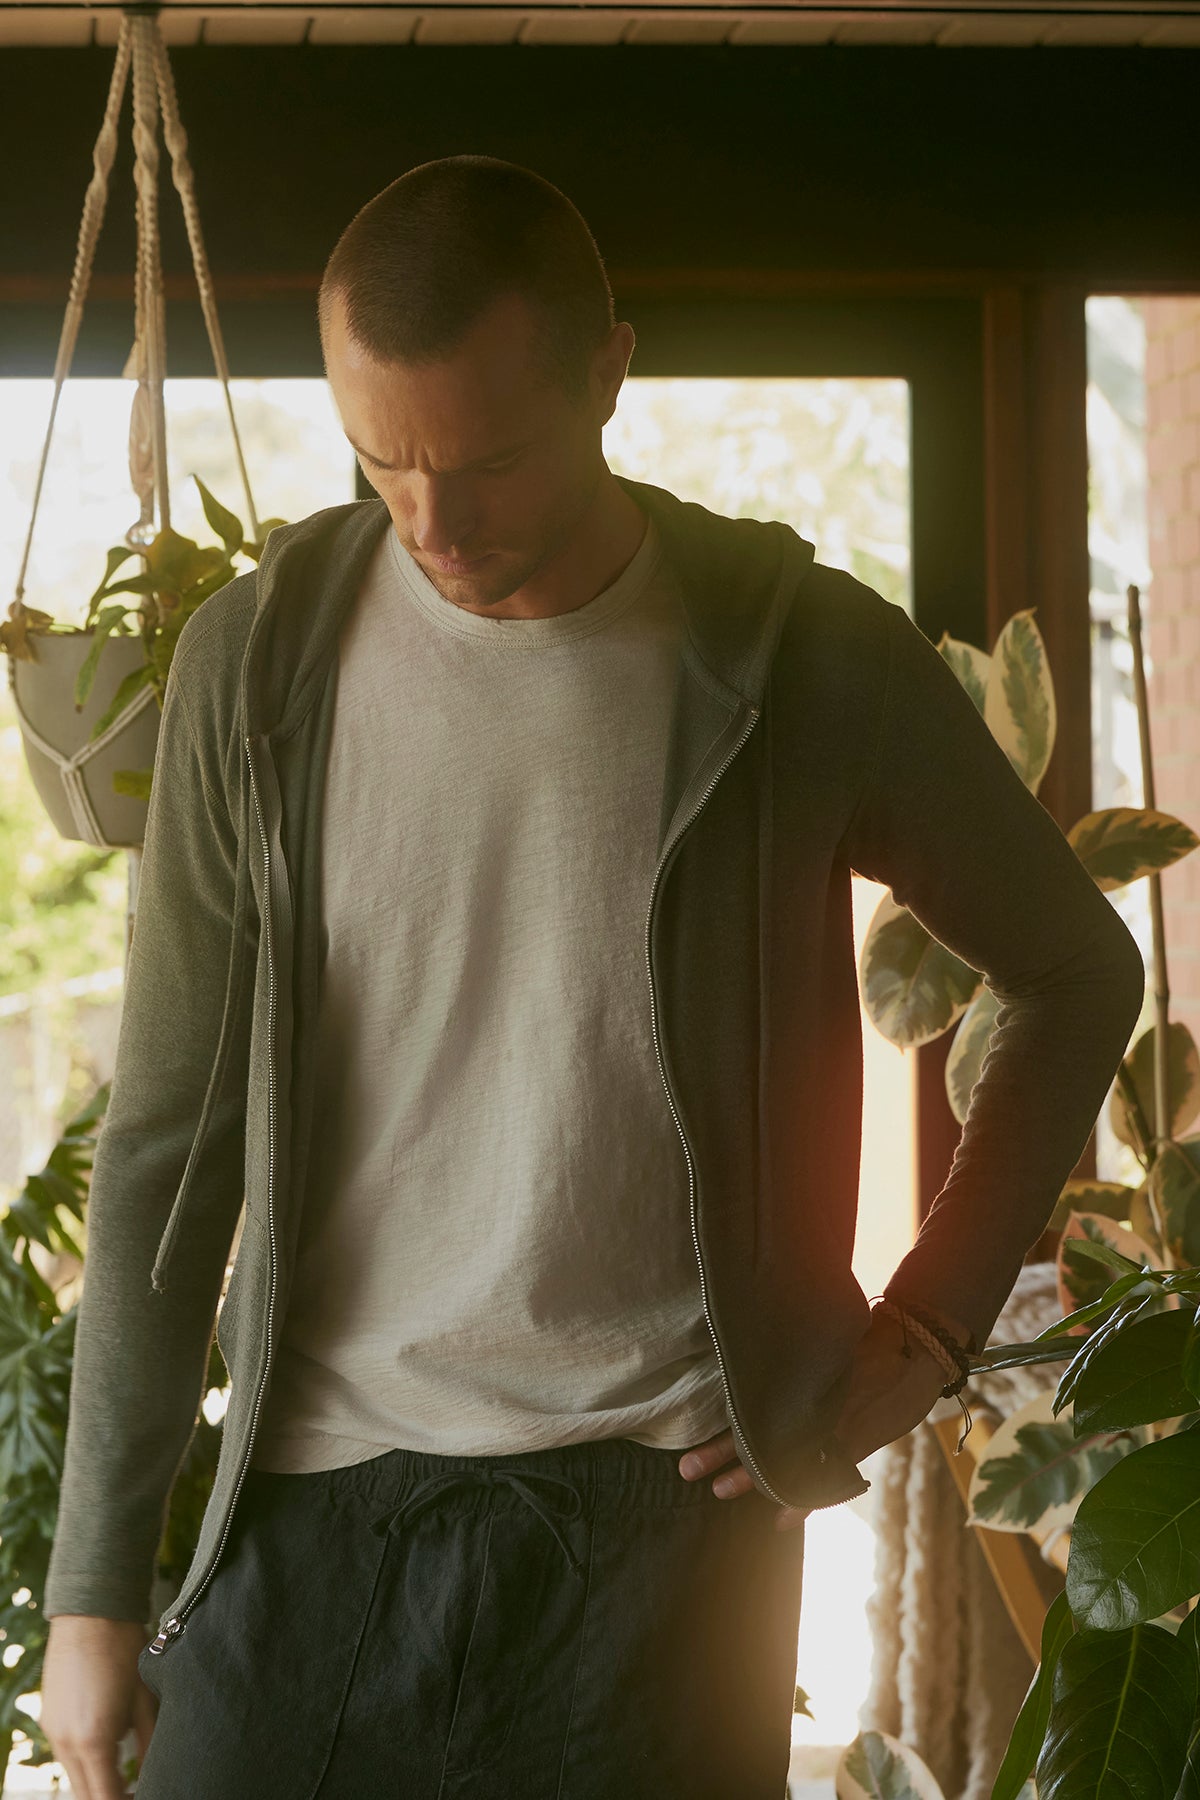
479 463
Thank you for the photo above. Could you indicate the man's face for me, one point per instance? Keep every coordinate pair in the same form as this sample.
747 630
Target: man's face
477 456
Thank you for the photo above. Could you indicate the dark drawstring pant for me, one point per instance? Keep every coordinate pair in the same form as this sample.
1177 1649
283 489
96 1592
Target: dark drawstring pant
578 1623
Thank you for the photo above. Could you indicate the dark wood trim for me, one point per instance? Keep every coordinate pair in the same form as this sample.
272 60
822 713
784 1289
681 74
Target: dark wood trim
1036 473
682 284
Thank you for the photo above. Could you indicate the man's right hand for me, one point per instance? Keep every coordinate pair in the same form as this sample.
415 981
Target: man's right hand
92 1694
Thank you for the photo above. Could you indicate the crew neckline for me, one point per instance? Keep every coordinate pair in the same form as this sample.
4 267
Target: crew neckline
530 634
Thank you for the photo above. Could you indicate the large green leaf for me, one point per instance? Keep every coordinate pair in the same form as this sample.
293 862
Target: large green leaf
1118 1728
1112 1198
1149 1281
1183 1084
1029 1730
1090 1247
1034 1465
1135 1542
1019 706
874 1766
1136 1305
1143 1220
1136 1377
1175 1185
912 986
1119 844
1189 1786
33 1381
1191 1355
964 1064
1019 1356
972 666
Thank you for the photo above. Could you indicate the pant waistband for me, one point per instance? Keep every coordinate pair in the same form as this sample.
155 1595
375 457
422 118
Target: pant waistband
569 1500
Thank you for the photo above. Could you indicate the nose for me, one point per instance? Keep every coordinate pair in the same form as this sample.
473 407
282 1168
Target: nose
438 525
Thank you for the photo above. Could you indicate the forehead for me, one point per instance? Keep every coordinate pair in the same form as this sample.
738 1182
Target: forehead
476 400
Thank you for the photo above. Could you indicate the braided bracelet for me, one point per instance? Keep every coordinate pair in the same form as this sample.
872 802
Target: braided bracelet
954 1358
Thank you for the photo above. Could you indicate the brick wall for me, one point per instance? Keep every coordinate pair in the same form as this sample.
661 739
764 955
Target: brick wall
1172 617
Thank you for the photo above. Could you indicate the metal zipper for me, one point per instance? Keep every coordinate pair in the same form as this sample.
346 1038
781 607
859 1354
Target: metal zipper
172 1627
739 1436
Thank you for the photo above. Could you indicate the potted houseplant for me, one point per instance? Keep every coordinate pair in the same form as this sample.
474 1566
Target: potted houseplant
1111 1456
37 1341
1114 1704
89 697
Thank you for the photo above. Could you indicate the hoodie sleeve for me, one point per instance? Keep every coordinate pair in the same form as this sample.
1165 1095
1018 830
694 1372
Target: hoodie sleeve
141 1355
946 823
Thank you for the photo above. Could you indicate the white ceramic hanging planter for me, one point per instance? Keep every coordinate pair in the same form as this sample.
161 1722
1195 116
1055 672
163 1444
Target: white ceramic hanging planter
72 771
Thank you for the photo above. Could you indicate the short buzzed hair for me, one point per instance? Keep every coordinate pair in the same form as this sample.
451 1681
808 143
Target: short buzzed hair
418 265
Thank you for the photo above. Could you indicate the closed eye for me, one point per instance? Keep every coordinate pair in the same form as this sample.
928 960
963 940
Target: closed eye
480 468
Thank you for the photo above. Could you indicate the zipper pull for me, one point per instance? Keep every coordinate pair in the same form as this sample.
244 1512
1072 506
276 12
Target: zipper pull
171 1629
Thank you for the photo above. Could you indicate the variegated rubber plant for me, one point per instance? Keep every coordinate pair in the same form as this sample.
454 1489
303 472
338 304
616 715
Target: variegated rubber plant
1111 1455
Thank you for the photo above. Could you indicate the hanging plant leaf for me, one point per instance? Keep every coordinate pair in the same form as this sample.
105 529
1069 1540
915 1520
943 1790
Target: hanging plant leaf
175 561
1175 1186
912 987
120 553
15 631
255 549
874 1766
972 666
109 618
227 527
1029 1731
1122 1704
145 585
1019 709
1119 844
133 684
162 648
1183 1084
1135 1541
1034 1469
1136 1378
134 782
964 1063
1110 1198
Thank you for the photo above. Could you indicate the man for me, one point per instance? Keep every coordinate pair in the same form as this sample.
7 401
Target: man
494 968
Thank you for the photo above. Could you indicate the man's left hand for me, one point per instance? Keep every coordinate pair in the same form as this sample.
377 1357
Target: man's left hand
889 1393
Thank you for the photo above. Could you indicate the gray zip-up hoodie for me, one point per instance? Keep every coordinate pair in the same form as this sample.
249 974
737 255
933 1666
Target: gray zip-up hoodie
814 731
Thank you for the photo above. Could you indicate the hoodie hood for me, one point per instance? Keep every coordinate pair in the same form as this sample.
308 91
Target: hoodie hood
738 577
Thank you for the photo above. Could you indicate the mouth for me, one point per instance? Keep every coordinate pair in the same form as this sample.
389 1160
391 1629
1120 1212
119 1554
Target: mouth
447 566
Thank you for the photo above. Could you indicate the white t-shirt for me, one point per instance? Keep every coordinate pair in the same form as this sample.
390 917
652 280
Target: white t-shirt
495 1251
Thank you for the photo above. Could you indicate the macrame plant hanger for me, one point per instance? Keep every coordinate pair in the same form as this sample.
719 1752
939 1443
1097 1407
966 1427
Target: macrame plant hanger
141 44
